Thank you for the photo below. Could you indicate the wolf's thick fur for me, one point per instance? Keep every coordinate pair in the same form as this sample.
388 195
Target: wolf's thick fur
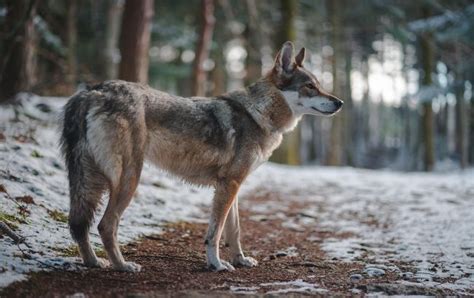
111 128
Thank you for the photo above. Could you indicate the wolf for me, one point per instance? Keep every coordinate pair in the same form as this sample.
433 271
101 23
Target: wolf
110 129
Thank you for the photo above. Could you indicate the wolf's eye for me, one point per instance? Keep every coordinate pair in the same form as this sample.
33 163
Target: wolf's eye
310 86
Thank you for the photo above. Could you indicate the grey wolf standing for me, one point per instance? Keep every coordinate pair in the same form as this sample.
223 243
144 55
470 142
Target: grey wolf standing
111 128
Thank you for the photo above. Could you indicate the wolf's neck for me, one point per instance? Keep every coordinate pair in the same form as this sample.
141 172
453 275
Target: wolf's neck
268 107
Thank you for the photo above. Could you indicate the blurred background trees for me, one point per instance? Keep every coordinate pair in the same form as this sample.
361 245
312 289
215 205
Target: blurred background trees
404 68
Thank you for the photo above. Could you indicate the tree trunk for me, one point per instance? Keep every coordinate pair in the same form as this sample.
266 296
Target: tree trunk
427 55
461 125
135 40
203 47
470 132
288 152
334 157
219 74
71 76
18 65
112 33
365 108
253 39
350 130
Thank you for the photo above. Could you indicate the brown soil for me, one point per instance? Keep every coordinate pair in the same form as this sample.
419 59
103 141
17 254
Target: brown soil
174 265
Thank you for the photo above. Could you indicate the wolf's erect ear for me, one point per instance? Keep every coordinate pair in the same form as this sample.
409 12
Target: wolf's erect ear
300 57
284 58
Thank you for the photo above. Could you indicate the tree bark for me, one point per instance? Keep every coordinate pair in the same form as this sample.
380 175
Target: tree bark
253 39
427 55
334 157
470 132
71 77
203 47
112 33
219 74
288 152
461 123
350 131
18 65
135 40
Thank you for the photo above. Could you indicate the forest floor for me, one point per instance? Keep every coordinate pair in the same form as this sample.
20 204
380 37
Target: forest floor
314 230
291 258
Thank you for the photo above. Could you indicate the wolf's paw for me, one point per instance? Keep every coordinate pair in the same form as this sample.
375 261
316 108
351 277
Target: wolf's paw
97 263
242 261
128 267
221 266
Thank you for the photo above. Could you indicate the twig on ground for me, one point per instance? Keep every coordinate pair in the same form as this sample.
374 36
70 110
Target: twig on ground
9 232
30 257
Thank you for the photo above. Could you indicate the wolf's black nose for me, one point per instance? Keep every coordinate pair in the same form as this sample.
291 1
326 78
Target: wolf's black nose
339 103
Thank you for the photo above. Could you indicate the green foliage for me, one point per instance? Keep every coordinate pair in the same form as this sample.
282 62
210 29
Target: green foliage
36 154
12 220
73 251
58 216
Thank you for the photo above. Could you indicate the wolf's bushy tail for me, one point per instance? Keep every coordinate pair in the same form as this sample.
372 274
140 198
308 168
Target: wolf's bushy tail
83 194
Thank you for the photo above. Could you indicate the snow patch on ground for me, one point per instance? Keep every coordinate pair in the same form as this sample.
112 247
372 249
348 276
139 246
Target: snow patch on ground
276 288
296 286
425 219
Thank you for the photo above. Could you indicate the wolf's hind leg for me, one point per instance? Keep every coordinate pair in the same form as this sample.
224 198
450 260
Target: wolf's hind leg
120 198
232 238
86 189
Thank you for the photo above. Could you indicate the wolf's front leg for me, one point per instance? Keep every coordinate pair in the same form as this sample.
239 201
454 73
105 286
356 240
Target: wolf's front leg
232 238
226 193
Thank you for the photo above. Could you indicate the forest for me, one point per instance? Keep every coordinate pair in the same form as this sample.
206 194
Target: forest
375 200
403 68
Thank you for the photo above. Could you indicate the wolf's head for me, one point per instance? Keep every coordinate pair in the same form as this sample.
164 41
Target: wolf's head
299 86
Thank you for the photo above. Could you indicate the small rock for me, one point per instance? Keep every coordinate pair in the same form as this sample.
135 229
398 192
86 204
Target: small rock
57 165
374 272
259 217
43 107
406 275
159 184
314 239
355 278
293 226
308 264
36 191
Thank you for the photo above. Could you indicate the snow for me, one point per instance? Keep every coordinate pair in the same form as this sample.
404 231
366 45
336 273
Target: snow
296 286
425 219
279 287
285 287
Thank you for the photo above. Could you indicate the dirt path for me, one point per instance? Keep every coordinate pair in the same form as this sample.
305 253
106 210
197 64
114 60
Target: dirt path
291 261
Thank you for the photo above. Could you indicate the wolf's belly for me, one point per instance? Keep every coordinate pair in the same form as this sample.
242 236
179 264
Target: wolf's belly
190 159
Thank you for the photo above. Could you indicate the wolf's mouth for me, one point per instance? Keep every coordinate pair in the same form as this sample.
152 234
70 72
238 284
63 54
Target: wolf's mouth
323 112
